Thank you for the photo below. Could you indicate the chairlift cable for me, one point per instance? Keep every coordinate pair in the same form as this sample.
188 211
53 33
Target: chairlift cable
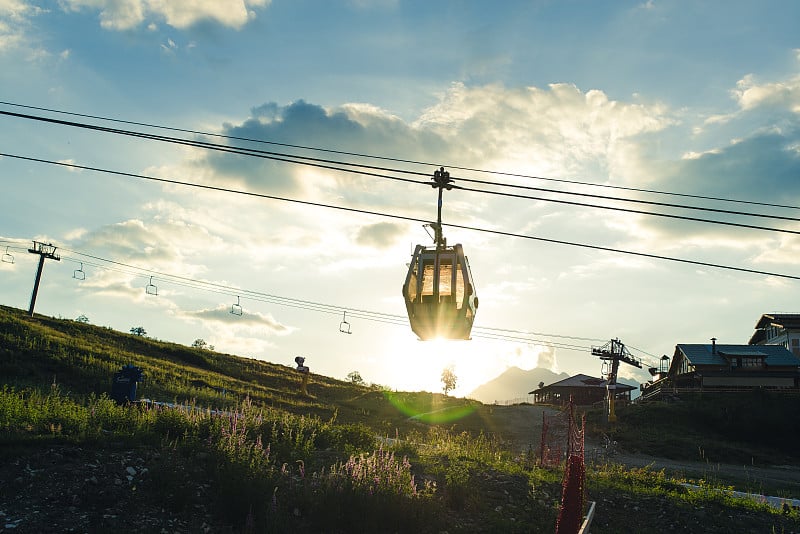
489 333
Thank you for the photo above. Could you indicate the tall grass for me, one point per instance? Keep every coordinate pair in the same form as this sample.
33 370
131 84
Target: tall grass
265 464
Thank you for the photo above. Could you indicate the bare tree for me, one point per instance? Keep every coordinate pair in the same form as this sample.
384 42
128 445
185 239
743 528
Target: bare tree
449 379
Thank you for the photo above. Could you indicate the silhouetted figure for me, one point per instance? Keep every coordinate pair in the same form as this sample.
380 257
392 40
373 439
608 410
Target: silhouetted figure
300 361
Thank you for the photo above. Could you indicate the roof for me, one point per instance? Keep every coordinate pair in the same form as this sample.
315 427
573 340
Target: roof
585 381
774 355
789 321
786 320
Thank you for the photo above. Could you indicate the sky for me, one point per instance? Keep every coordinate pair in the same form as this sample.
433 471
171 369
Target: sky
624 99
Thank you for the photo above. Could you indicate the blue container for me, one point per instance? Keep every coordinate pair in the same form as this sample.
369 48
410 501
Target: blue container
123 386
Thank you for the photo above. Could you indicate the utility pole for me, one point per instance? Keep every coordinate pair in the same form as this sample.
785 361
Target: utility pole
48 252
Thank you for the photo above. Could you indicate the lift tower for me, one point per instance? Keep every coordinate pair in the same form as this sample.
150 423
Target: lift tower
612 353
48 252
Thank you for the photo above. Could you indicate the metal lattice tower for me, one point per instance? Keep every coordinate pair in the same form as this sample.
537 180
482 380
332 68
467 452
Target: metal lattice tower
614 352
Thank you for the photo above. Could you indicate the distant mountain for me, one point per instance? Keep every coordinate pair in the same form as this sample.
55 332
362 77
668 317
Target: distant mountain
514 383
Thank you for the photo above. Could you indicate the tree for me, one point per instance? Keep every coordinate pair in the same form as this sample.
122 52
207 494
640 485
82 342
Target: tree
138 331
449 379
355 378
200 343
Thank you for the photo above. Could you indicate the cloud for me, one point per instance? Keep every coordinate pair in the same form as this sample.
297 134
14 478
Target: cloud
547 359
559 130
149 245
251 321
379 235
353 128
763 166
556 131
783 94
751 155
127 14
169 47
15 16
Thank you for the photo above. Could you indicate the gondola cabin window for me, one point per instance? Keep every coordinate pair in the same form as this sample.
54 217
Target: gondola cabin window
427 281
413 284
459 287
445 279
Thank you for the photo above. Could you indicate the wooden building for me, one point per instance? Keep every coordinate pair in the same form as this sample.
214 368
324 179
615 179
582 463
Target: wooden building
584 390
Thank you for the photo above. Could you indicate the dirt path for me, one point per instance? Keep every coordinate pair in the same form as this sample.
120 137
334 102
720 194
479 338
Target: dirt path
785 476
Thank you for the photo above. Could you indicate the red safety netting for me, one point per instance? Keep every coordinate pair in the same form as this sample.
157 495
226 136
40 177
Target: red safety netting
570 514
553 445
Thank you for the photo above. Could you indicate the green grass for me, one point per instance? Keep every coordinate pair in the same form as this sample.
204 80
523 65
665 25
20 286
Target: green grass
348 458
749 428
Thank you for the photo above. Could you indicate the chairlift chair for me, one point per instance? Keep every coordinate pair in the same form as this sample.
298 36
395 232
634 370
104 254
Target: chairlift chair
236 309
344 326
79 274
8 257
151 289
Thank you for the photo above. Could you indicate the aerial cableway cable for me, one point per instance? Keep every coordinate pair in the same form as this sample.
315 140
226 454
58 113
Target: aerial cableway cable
401 160
357 168
317 163
619 199
650 213
409 219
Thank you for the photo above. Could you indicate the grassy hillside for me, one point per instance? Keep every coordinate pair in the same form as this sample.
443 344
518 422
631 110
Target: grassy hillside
346 458
750 428
82 358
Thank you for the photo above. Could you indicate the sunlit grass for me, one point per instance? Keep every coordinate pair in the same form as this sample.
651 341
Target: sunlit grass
354 457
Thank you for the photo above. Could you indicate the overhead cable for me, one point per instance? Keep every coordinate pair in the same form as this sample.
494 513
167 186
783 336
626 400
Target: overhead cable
360 169
407 218
401 160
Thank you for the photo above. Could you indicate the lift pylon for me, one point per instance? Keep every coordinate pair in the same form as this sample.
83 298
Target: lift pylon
45 252
614 352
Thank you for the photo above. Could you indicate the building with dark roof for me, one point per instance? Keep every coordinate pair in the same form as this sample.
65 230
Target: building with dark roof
584 390
718 367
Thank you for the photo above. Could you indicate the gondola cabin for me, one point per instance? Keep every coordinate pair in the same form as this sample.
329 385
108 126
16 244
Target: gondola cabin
440 294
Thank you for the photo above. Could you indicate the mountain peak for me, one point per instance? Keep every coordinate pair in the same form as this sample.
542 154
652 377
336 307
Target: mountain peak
514 383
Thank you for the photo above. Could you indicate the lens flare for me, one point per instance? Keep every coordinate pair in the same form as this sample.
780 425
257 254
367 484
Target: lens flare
428 409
